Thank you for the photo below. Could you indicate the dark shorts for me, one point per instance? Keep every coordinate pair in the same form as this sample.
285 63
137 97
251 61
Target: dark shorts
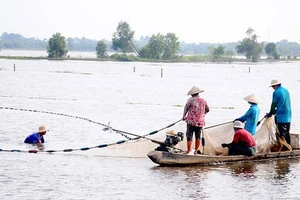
190 131
236 149
284 131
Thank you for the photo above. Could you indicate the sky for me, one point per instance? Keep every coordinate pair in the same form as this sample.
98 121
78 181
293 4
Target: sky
193 21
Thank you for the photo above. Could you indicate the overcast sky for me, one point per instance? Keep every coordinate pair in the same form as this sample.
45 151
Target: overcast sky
213 21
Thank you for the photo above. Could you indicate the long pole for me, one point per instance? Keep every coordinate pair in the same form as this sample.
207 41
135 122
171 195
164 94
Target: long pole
217 125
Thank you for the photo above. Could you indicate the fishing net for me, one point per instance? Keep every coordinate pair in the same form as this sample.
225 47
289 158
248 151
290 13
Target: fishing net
265 138
213 136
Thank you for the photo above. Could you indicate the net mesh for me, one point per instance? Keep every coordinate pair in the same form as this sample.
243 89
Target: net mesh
214 137
265 138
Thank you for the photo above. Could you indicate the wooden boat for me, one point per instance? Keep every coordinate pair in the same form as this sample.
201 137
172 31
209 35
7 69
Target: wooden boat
165 158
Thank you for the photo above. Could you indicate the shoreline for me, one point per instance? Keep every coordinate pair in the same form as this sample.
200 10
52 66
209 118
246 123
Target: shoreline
114 57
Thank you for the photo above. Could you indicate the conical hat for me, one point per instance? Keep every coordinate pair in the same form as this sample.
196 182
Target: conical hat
238 124
251 98
42 129
195 90
171 133
275 82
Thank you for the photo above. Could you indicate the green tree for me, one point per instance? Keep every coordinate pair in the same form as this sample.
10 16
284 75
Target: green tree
171 46
271 50
57 46
121 40
157 46
250 47
229 53
145 52
217 52
101 49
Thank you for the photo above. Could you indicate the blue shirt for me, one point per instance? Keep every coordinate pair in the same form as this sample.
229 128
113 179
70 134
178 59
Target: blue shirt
251 118
34 138
282 103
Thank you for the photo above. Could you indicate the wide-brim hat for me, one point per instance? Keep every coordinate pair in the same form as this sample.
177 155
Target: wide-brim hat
274 82
42 129
251 98
171 133
195 90
238 124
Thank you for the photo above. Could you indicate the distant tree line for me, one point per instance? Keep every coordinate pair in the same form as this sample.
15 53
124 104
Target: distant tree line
157 46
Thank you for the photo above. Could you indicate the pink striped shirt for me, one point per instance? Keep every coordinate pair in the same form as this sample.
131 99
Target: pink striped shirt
195 110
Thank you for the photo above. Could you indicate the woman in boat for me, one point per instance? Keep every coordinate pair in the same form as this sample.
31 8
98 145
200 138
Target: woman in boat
194 115
243 142
252 114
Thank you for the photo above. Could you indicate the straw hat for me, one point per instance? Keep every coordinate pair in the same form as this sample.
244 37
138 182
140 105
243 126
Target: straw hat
42 129
251 98
195 90
274 82
171 133
238 124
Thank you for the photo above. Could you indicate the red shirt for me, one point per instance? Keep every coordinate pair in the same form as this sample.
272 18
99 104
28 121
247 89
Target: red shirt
243 137
195 109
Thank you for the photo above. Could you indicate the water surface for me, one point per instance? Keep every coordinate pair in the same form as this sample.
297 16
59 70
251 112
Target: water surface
137 102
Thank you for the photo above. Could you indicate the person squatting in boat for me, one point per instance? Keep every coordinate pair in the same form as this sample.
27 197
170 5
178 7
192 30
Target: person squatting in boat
243 142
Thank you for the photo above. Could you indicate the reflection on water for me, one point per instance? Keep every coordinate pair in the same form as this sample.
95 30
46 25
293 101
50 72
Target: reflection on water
246 170
282 169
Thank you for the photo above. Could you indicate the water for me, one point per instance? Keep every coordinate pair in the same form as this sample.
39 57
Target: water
137 102
43 53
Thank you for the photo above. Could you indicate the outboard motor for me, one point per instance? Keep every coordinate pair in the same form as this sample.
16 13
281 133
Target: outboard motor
172 139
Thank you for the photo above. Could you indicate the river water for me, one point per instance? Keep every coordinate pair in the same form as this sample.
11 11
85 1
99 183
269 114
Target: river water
138 98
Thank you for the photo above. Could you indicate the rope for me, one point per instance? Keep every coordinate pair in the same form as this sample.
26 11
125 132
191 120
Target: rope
107 127
53 113
66 150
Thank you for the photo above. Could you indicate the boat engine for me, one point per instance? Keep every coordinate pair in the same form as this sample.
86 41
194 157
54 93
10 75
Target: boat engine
172 139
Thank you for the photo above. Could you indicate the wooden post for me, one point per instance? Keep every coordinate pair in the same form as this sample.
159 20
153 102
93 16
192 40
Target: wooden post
249 69
14 67
161 72
134 69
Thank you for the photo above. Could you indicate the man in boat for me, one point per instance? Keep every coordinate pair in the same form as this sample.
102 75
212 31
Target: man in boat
281 108
194 115
252 115
243 142
37 137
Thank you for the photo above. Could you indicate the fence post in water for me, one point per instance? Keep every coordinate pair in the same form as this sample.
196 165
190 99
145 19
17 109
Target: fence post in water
161 72
14 67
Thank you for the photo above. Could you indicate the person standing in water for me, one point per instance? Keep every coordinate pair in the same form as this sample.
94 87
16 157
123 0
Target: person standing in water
194 115
37 137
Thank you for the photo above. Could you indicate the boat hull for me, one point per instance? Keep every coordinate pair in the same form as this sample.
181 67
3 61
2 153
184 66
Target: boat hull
178 159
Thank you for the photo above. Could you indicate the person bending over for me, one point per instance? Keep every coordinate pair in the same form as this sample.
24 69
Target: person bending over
243 142
37 137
